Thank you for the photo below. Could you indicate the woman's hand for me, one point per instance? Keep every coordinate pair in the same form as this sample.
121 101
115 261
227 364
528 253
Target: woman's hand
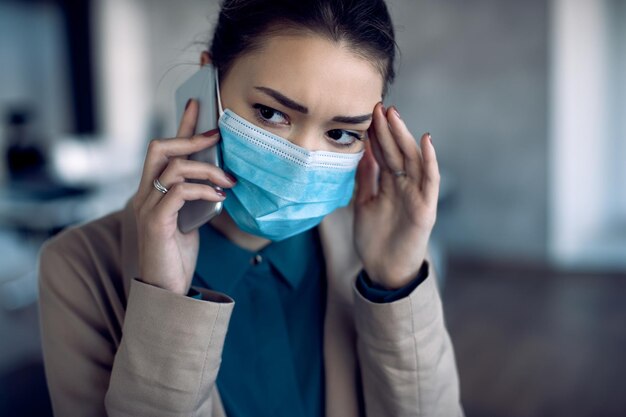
396 200
167 257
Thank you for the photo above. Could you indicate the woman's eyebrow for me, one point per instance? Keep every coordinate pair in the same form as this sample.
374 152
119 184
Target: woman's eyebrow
291 104
284 100
355 120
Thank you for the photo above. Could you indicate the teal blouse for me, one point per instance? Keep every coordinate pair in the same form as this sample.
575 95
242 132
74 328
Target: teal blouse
272 358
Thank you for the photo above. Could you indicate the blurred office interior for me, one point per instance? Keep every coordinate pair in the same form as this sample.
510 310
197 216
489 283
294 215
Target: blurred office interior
526 104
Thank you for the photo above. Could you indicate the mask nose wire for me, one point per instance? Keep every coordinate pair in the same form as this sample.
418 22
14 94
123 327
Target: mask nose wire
217 92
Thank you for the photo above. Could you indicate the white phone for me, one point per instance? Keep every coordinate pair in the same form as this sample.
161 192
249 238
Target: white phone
200 86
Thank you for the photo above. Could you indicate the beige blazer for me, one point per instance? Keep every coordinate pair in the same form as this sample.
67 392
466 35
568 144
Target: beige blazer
116 346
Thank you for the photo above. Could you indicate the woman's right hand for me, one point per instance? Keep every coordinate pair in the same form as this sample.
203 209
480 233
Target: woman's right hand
167 257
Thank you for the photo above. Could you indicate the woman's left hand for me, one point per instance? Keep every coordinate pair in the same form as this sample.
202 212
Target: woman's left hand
396 200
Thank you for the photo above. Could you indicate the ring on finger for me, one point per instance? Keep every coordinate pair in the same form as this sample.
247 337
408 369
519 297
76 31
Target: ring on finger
159 187
399 173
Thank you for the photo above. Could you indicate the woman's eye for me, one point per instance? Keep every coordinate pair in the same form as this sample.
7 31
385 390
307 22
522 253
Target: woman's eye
269 115
343 137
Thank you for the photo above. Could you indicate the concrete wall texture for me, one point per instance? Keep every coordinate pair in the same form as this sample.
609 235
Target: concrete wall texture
475 75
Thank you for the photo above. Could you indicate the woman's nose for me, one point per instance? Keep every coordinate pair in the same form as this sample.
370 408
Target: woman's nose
306 139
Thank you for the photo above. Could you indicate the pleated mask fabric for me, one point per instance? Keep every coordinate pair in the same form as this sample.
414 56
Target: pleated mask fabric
282 189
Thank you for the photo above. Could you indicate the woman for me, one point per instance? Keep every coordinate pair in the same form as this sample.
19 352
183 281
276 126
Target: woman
337 318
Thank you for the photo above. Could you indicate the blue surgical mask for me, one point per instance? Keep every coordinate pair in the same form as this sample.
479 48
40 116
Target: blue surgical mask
282 189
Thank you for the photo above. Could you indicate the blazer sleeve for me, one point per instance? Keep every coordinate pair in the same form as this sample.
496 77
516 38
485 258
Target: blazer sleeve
406 357
169 352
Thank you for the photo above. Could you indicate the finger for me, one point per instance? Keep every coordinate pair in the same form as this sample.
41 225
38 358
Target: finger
432 177
161 150
391 152
188 121
385 177
407 145
376 151
367 176
178 170
171 203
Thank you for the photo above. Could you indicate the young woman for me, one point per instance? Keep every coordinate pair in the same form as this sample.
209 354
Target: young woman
308 295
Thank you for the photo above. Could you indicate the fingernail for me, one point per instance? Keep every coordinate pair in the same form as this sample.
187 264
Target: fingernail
221 193
395 110
188 103
430 138
231 178
210 133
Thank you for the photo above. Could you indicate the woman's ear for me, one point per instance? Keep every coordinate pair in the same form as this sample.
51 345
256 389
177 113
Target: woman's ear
205 58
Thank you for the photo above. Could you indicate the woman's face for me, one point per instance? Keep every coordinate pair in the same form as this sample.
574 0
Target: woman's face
315 93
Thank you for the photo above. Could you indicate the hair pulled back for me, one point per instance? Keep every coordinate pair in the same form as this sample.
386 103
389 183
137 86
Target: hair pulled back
363 25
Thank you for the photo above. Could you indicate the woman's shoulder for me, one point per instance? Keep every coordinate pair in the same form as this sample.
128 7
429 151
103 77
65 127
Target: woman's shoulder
81 278
88 254
93 237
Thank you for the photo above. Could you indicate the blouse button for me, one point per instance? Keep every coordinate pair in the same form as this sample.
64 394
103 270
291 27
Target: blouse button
257 259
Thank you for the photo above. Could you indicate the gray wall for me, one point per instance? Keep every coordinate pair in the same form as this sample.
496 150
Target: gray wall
474 74
618 111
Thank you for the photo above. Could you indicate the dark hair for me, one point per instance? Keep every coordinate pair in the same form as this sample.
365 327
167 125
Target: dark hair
365 25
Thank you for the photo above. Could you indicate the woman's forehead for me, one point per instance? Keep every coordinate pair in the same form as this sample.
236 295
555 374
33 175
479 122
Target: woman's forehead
311 69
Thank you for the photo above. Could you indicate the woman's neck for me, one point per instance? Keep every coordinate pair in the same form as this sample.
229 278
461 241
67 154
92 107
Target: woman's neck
225 224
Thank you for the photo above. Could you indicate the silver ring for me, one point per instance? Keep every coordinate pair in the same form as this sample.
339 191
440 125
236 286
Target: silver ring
399 173
157 184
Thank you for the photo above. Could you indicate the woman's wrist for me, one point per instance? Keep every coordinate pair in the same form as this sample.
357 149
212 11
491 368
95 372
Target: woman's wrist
390 279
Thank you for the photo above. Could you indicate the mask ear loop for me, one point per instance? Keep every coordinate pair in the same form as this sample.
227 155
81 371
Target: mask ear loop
217 92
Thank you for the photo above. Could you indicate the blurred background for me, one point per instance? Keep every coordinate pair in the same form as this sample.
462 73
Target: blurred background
526 104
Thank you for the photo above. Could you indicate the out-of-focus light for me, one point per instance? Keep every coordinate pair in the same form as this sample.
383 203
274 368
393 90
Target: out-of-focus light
76 161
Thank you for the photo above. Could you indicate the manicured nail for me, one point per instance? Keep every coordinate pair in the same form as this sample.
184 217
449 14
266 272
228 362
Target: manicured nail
210 133
396 113
430 139
231 178
188 103
221 193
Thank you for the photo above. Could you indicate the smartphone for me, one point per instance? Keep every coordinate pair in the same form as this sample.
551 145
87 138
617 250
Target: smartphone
200 86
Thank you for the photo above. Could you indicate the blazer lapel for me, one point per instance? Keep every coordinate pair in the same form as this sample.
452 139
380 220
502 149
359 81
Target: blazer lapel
340 362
